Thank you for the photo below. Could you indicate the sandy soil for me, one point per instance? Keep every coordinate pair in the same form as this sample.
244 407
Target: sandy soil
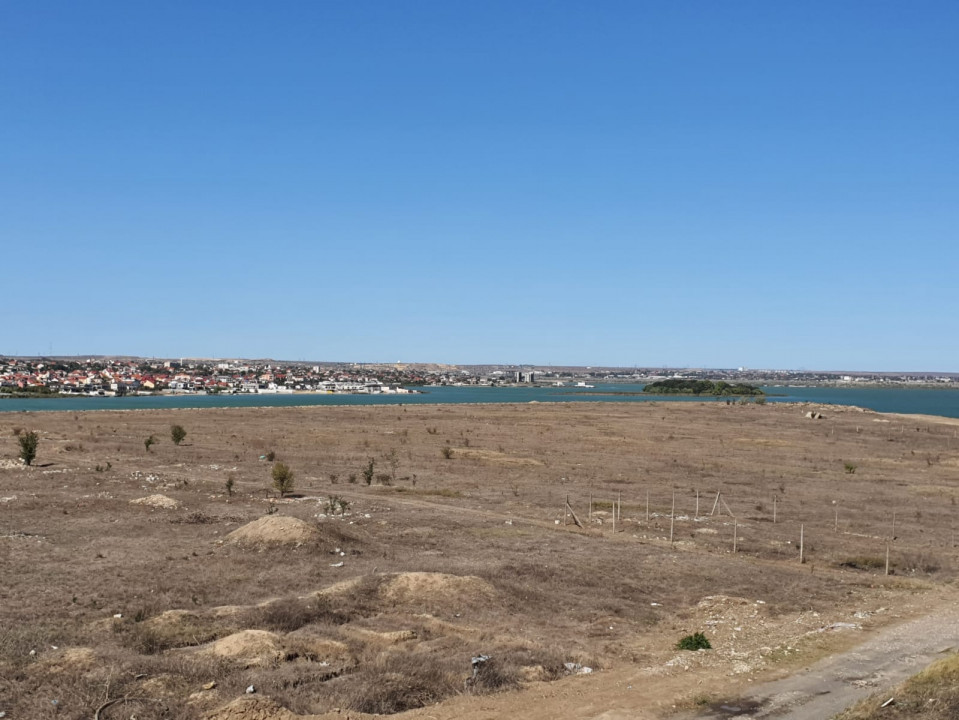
126 582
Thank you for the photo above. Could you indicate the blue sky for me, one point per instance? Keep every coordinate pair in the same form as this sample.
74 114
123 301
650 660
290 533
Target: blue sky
620 183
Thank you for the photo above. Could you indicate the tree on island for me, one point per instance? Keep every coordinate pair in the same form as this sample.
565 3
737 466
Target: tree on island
721 388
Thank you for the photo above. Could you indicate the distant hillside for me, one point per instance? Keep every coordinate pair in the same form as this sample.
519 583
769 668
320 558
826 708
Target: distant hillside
700 387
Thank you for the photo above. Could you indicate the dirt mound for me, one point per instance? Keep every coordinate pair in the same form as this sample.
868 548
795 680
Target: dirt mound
251 648
228 611
157 501
309 646
442 627
393 637
424 587
69 660
253 707
342 588
171 619
274 529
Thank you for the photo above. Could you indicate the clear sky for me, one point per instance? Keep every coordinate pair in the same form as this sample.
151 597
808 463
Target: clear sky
768 184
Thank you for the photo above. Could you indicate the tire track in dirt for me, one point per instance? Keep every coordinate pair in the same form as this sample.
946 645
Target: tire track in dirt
831 685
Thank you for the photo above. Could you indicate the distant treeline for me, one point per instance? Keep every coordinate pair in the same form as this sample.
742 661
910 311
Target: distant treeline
700 387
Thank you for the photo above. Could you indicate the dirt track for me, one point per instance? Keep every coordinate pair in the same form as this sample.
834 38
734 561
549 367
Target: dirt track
814 693
835 683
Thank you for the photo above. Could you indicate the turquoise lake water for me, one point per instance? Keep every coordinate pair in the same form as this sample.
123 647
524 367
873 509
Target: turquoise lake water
900 400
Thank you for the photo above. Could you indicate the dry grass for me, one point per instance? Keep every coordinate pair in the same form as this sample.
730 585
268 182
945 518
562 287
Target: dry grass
485 567
933 694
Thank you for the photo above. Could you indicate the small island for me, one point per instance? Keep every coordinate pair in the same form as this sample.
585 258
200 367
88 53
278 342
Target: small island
720 388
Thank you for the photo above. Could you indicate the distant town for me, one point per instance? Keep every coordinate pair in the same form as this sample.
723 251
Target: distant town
115 376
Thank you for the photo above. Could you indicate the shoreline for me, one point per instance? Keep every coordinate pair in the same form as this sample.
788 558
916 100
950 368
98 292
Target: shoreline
799 404
904 402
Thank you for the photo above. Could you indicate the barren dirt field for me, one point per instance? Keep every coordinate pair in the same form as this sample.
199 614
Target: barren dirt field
172 582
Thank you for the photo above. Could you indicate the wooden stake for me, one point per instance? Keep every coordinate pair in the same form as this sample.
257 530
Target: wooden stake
647 506
569 509
697 505
893 524
590 515
614 517
619 507
566 510
715 505
725 505
735 534
836 526
802 540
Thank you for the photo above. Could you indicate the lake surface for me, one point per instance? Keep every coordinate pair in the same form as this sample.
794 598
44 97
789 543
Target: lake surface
899 400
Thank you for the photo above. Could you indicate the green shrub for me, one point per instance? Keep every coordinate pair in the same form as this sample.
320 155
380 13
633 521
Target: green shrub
148 442
282 478
336 504
849 468
28 446
177 433
447 452
696 641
